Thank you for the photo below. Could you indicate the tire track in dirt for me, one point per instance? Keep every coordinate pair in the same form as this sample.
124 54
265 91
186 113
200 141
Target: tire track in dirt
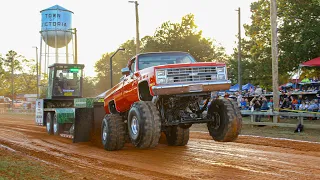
202 158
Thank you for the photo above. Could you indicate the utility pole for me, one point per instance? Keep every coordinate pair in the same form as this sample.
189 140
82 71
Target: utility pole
137 27
239 50
274 44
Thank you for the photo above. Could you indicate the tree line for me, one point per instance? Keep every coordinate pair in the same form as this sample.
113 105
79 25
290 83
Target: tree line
298 41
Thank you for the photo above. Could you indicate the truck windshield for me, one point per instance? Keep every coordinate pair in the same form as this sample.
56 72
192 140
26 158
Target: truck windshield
156 59
67 82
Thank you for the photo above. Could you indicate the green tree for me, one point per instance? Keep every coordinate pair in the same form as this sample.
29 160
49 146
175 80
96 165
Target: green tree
120 60
299 38
11 58
89 89
299 32
24 74
169 36
185 37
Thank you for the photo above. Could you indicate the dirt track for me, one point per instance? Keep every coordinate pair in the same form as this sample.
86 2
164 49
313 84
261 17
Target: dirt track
202 158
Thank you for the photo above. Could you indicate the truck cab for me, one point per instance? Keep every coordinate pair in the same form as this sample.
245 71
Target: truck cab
65 81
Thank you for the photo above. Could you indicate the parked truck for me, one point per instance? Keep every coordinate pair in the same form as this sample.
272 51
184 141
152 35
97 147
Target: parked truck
158 93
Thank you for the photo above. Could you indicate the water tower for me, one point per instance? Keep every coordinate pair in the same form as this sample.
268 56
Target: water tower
56 35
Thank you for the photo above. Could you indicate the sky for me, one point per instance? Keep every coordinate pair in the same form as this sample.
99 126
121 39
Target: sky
103 25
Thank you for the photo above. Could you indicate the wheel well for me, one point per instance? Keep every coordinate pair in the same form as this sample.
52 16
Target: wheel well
112 107
144 92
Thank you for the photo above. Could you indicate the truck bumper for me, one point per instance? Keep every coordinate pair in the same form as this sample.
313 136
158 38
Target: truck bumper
168 89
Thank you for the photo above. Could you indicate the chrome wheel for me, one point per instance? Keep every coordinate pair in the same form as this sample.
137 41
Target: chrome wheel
55 124
48 126
49 123
134 124
104 132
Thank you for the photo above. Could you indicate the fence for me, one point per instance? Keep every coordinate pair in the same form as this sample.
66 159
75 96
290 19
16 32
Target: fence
275 114
17 111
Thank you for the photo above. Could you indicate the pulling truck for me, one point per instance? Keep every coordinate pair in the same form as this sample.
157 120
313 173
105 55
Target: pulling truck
162 92
158 93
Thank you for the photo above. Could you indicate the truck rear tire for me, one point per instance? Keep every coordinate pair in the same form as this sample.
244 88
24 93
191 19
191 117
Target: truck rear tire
238 113
144 124
57 127
113 132
226 124
177 136
49 124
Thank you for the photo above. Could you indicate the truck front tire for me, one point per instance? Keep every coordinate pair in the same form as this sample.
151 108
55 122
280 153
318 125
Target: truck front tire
177 136
226 120
144 124
113 132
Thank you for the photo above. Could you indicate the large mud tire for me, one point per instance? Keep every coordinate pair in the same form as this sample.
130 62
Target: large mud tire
227 120
49 123
144 125
177 136
238 113
113 132
57 127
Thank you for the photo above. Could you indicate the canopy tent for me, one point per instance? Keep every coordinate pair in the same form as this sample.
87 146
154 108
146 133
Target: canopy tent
247 86
244 87
312 62
287 85
234 88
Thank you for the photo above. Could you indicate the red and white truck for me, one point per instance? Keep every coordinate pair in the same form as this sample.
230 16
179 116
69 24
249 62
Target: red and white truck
162 92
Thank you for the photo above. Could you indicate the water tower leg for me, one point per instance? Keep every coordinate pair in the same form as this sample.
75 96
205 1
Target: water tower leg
76 46
72 44
45 54
56 44
66 42
48 58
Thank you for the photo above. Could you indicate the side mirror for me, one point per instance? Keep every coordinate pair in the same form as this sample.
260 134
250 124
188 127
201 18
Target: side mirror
125 71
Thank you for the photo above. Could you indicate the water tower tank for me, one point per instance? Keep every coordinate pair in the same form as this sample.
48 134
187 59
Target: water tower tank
56 25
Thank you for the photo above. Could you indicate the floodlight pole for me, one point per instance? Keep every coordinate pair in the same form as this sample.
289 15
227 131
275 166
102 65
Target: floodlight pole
37 69
111 78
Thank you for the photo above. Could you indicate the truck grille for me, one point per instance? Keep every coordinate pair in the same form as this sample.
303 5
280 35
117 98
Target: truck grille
192 74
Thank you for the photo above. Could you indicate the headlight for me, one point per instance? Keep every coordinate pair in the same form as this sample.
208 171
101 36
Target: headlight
161 73
214 77
170 80
220 69
161 81
221 76
161 76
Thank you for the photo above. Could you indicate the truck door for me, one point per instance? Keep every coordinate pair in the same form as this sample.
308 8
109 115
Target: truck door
130 84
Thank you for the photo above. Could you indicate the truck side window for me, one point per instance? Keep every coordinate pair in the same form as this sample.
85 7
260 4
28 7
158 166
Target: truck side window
133 66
